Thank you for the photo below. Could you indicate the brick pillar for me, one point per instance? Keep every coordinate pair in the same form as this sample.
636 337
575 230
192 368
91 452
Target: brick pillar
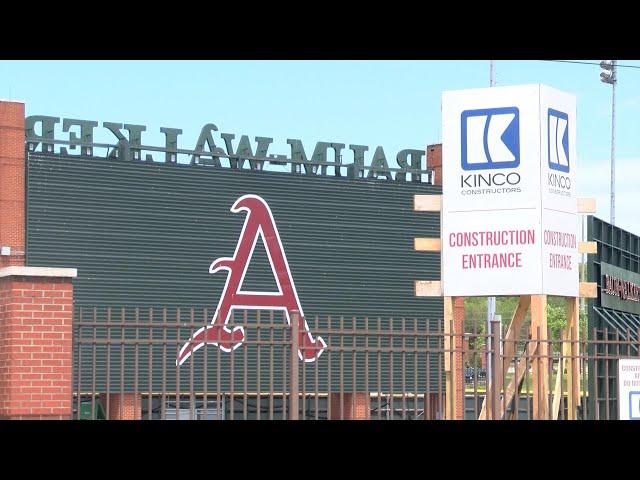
433 408
357 406
122 406
467 349
434 162
12 178
36 312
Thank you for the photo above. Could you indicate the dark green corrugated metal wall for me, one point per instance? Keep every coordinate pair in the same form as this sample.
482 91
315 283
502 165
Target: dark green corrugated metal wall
620 248
145 234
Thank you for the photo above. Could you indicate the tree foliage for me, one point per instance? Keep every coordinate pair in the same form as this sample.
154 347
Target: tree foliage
476 315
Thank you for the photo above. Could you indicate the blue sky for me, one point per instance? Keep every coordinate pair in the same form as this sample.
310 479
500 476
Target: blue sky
394 104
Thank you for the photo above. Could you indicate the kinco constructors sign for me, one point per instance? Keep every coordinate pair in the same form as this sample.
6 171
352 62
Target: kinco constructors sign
509 211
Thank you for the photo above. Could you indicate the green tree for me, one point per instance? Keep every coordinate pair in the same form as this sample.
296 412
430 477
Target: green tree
476 317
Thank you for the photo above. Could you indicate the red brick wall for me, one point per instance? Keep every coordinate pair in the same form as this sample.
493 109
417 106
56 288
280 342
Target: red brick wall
125 406
12 170
35 347
357 406
434 161
35 310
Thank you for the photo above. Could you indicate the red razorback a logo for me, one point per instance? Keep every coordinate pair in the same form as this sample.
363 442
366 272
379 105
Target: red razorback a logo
259 222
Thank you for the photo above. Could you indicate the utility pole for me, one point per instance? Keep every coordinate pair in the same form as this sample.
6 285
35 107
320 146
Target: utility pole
609 75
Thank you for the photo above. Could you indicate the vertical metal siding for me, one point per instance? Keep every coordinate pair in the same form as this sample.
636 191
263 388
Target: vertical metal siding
620 248
145 234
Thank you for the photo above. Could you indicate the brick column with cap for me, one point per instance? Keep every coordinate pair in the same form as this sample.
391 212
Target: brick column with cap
36 313
36 304
434 162
12 188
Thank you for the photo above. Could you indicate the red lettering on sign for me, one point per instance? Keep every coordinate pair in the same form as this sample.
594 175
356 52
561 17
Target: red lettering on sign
259 222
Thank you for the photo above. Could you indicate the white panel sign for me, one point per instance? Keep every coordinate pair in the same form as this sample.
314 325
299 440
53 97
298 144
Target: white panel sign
560 256
629 388
509 221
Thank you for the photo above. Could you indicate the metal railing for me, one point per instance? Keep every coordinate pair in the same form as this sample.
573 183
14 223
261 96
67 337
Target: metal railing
372 368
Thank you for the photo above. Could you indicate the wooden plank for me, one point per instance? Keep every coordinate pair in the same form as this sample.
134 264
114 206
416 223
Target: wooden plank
573 350
587 247
520 369
588 290
427 203
562 364
427 244
540 362
449 377
428 288
557 391
586 205
513 333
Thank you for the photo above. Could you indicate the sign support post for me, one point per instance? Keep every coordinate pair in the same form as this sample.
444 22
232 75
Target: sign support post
573 372
540 359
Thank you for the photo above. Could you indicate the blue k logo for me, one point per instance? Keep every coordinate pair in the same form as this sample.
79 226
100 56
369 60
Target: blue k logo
490 138
558 128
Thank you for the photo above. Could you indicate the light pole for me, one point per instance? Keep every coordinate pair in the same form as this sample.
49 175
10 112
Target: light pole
609 75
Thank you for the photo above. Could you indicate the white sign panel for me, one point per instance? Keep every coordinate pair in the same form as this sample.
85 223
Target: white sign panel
629 388
509 220
558 174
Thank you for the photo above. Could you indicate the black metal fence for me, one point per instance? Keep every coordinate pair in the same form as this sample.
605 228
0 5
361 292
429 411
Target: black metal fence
549 362
372 368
